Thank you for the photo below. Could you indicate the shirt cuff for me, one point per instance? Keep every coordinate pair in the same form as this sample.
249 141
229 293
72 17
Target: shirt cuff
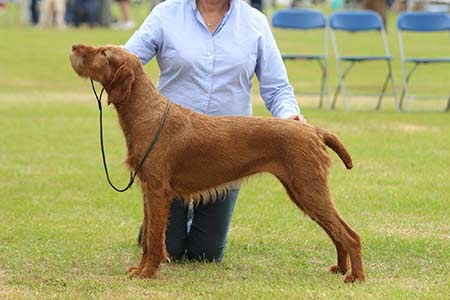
288 111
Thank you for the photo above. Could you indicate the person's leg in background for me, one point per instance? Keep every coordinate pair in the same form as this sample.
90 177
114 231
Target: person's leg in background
104 16
34 11
93 11
60 11
77 11
177 229
46 17
68 15
127 20
207 237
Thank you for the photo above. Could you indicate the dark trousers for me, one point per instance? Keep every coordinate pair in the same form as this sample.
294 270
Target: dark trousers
86 11
34 11
201 231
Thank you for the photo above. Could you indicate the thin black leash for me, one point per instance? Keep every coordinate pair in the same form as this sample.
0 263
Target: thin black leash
149 149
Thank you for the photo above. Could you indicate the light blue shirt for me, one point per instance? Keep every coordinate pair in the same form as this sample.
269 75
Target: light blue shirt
212 73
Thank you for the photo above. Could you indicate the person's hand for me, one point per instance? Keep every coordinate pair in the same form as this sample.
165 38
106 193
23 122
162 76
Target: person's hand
300 118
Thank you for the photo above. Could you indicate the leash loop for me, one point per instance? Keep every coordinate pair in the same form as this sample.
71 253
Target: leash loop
147 153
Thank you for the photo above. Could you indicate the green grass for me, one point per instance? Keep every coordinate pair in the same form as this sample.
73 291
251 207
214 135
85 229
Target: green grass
64 234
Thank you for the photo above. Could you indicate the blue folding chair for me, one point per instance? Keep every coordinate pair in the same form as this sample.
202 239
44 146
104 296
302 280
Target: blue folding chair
357 21
420 22
306 19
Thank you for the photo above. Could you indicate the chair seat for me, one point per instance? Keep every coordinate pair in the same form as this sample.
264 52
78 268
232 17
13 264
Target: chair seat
428 60
364 58
303 56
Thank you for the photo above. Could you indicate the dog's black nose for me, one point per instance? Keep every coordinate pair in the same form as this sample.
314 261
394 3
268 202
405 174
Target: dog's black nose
74 47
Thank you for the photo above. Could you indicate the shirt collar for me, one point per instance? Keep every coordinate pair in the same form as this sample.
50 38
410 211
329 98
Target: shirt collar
193 4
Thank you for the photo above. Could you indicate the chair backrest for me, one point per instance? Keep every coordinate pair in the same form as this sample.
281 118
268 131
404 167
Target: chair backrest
296 18
423 21
356 21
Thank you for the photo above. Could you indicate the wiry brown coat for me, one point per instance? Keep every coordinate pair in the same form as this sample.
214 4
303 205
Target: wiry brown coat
196 153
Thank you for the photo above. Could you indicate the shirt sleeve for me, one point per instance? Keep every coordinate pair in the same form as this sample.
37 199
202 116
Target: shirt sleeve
276 91
146 41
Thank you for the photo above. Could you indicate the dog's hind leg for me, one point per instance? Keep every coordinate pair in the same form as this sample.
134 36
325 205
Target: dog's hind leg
342 265
315 200
342 255
355 257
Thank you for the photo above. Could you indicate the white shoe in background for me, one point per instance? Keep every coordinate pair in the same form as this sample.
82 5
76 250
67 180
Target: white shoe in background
128 25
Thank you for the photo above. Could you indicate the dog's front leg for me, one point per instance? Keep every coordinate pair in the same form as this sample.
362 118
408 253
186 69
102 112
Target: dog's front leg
135 271
156 213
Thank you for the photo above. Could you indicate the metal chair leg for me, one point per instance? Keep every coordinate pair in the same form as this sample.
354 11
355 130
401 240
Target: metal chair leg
336 93
344 96
341 85
394 87
327 85
344 91
448 104
380 98
405 88
322 84
405 92
390 77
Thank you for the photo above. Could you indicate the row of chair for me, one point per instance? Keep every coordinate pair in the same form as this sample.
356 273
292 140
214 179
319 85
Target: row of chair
357 21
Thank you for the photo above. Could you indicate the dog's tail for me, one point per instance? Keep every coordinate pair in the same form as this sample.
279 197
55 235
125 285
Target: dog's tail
333 142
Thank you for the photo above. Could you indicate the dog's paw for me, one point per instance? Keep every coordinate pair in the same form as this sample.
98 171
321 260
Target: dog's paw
337 269
133 271
148 273
350 278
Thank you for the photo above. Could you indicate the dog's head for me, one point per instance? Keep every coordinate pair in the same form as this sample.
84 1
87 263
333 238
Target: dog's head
113 66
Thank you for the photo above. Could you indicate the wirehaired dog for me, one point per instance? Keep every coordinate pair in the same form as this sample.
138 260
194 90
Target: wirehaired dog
196 153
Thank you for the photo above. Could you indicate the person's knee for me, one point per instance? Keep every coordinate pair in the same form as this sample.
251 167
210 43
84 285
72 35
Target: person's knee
206 255
175 250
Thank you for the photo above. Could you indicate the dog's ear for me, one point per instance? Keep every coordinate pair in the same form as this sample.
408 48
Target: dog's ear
120 87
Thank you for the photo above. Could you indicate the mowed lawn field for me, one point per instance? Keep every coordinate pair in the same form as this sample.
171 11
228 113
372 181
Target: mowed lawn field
64 234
